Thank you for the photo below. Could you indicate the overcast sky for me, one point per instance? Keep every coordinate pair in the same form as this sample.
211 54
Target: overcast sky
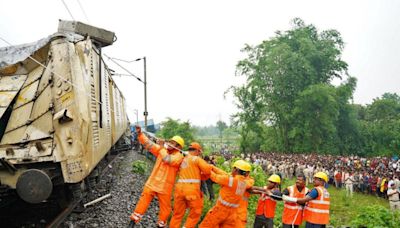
192 47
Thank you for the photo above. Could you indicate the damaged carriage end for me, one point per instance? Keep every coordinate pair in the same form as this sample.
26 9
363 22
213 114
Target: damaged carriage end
56 119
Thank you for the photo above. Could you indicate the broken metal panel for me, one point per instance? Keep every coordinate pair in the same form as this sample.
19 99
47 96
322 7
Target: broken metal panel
42 103
19 117
101 37
15 136
12 83
41 127
26 95
6 97
34 75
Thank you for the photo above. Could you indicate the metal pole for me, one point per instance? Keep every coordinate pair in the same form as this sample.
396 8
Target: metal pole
145 95
137 117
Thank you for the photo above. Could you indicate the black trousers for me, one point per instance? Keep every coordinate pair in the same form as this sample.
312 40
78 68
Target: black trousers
263 222
289 226
209 184
312 225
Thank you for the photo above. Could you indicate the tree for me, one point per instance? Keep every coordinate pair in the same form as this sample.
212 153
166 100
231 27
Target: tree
381 126
221 125
315 114
172 127
278 70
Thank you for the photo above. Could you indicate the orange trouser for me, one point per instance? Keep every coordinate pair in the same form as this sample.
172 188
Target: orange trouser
220 216
144 202
186 198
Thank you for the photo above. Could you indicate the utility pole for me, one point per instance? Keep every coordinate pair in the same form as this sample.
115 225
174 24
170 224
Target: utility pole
145 94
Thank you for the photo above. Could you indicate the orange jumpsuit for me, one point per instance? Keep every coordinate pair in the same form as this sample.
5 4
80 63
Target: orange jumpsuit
224 213
242 209
160 182
187 191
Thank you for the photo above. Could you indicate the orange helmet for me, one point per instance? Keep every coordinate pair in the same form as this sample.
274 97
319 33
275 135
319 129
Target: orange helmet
196 146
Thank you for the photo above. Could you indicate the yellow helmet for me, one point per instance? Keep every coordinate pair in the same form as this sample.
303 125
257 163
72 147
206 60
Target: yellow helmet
322 175
178 140
242 165
275 178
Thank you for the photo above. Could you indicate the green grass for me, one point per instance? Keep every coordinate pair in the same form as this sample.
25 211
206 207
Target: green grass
343 209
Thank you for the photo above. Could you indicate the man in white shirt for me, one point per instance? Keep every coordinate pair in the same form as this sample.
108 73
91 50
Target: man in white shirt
394 197
349 181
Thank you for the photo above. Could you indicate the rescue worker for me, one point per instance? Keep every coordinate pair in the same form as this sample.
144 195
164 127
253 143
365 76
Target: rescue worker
242 209
265 212
316 212
187 192
162 178
292 215
233 187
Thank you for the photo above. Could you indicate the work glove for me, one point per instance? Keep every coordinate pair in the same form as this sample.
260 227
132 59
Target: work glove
289 199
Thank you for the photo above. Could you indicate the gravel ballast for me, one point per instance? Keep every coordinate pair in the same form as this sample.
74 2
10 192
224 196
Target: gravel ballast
125 188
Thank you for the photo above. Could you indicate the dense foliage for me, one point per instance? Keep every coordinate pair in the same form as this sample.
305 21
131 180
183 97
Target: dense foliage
376 216
289 103
139 167
171 127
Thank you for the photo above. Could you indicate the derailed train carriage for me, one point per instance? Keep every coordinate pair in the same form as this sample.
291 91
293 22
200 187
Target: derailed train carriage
60 112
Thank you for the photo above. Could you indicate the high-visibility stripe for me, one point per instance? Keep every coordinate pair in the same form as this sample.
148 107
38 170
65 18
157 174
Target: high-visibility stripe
223 202
230 184
188 181
320 202
167 159
292 207
318 210
137 214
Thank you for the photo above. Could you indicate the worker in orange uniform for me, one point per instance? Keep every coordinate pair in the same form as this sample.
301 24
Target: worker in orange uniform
265 212
187 192
316 212
292 215
233 187
162 178
242 209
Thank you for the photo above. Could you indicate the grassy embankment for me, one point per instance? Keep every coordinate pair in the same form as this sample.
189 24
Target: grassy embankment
343 209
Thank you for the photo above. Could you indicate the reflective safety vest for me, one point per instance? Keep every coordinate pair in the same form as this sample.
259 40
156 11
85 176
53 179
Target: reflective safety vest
190 172
317 210
163 176
266 206
242 210
292 212
232 188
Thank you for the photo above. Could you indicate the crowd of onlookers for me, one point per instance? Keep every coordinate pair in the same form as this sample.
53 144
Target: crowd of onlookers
366 175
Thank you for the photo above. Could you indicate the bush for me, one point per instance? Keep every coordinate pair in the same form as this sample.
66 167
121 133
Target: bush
139 167
376 216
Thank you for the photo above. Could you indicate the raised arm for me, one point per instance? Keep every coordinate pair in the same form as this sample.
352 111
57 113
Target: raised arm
221 179
148 144
204 167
